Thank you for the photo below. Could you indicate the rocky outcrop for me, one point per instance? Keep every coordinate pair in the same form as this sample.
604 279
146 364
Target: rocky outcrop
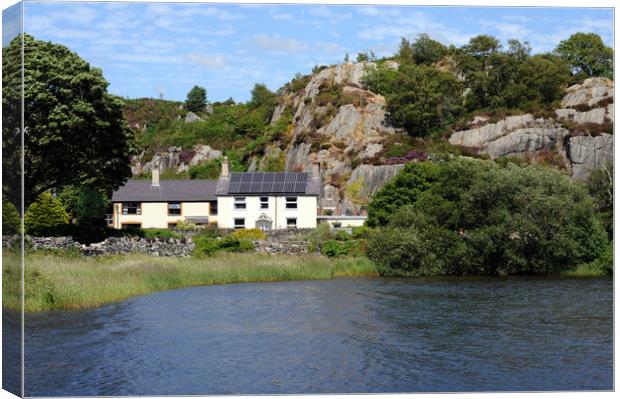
588 153
174 158
571 131
591 92
340 123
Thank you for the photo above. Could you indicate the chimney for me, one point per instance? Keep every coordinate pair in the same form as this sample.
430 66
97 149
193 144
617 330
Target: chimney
225 171
316 170
155 178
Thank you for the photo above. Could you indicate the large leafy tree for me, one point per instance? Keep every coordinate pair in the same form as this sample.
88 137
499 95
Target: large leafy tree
586 53
419 97
475 217
196 99
74 130
426 50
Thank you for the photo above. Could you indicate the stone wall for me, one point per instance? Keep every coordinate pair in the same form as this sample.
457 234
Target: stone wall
281 247
112 245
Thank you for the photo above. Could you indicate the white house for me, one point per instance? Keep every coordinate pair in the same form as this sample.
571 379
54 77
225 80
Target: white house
268 200
264 200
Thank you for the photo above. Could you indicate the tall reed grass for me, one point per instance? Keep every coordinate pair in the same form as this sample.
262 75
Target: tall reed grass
63 281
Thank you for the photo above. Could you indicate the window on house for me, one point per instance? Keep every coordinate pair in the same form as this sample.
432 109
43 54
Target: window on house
239 202
291 223
291 202
213 207
172 225
239 223
174 208
337 225
264 202
131 226
131 208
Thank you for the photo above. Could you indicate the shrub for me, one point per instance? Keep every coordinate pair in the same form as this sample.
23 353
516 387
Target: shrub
249 234
333 248
342 235
205 245
361 232
318 236
233 244
45 215
160 233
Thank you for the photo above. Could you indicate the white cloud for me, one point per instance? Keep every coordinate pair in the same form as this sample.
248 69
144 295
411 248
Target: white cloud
283 17
518 18
207 60
329 48
505 30
372 11
328 15
279 44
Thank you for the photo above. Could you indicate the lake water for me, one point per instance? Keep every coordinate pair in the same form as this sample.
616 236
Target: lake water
336 336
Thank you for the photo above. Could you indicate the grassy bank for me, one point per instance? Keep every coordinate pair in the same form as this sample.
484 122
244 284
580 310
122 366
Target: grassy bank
56 281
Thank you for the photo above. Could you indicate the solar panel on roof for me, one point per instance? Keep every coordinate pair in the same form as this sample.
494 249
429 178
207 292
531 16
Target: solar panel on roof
268 182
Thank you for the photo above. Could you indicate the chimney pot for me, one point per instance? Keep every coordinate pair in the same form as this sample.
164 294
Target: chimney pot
316 169
225 170
155 178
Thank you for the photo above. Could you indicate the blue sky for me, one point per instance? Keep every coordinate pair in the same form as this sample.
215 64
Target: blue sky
145 49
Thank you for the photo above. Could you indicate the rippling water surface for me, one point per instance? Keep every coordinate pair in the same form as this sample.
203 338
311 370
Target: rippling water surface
336 336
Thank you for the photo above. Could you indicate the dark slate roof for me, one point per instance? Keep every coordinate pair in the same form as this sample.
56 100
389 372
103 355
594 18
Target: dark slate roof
168 190
269 183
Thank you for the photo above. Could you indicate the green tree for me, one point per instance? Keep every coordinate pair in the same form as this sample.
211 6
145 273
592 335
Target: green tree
404 51
404 189
420 98
91 207
10 218
586 53
425 50
600 184
475 217
45 215
75 132
196 100
263 100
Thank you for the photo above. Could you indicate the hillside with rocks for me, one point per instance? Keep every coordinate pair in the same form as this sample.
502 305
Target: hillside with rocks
331 116
577 136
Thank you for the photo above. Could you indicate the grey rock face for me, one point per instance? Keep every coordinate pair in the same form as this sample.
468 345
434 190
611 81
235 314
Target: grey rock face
589 103
524 141
171 159
590 92
588 153
373 177
192 117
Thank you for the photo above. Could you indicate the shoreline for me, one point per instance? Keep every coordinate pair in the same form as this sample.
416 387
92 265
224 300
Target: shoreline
59 282
65 281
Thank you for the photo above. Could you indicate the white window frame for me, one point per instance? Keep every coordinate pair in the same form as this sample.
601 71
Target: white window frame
289 225
264 204
126 207
240 203
291 203
174 206
237 226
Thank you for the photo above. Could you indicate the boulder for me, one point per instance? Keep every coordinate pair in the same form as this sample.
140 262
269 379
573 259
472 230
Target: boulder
192 117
